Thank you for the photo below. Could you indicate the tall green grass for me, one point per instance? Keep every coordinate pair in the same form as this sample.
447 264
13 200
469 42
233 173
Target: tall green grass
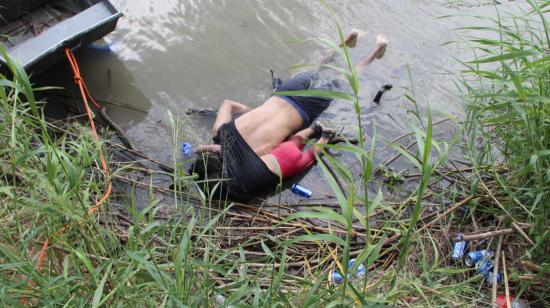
189 257
508 121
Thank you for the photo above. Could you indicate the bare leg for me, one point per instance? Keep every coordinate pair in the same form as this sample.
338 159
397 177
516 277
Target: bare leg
208 148
318 149
376 53
351 41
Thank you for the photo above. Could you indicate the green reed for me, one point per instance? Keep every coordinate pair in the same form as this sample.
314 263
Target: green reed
49 179
507 88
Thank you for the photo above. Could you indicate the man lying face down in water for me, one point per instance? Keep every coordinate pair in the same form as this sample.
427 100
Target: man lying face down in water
248 145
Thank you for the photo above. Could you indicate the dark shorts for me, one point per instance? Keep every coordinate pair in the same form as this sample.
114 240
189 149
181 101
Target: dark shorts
308 107
247 174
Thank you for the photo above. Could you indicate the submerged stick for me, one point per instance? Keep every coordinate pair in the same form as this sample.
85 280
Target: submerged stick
116 128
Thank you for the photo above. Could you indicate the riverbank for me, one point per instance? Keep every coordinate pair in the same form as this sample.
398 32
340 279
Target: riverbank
199 252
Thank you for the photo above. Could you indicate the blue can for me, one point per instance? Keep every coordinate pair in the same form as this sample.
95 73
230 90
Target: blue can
484 265
335 278
361 270
459 248
186 148
489 277
301 191
475 256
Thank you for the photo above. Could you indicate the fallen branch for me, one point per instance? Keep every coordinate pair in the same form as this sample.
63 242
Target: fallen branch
447 212
471 237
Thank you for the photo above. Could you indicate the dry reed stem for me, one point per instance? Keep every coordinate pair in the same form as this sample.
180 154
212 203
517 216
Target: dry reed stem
495 271
490 234
506 287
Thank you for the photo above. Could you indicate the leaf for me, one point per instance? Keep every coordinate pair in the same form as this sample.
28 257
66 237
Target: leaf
373 256
99 290
267 250
516 81
316 237
86 263
408 155
342 200
320 213
316 93
508 56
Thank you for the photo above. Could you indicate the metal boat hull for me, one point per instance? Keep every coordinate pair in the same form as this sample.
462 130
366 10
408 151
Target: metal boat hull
45 48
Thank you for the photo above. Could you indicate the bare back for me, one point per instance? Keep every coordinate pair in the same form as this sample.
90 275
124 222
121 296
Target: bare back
267 126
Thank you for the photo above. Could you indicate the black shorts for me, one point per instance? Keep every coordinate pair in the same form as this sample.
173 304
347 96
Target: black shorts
308 107
247 174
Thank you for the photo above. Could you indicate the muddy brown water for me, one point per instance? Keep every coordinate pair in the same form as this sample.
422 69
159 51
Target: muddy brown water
172 55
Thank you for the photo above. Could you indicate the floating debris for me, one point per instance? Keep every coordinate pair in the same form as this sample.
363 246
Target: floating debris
382 90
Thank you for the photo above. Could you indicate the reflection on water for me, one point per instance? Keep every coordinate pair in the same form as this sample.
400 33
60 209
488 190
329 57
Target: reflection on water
177 54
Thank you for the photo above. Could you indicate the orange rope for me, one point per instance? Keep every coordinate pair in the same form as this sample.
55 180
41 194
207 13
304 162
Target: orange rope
85 95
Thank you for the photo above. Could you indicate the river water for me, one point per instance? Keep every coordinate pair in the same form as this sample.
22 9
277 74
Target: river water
172 55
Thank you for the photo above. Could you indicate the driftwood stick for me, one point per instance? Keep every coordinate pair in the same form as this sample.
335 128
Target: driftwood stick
116 128
447 212
520 231
471 237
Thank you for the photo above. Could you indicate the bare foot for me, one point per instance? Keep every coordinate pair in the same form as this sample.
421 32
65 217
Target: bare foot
351 40
381 45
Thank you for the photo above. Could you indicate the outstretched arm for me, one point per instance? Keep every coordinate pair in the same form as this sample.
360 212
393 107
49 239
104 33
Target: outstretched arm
226 111
208 148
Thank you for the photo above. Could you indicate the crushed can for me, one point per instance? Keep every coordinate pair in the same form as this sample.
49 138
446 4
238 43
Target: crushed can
335 278
489 277
361 270
301 191
459 248
473 257
484 265
485 268
186 148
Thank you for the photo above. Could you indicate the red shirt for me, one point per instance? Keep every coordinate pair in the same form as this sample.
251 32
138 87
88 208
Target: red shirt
292 160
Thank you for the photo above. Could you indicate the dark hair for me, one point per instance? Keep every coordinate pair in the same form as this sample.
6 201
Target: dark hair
209 170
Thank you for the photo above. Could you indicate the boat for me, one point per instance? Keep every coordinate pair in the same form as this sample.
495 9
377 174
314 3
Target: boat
36 32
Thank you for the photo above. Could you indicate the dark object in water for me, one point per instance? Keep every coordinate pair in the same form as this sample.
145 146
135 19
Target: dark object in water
205 111
275 81
36 32
378 96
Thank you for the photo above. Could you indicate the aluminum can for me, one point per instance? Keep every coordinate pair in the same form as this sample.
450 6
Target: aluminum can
301 191
489 277
335 278
459 249
484 265
475 256
361 270
186 148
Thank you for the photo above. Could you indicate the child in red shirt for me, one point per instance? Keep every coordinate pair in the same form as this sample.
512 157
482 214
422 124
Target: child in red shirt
289 158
